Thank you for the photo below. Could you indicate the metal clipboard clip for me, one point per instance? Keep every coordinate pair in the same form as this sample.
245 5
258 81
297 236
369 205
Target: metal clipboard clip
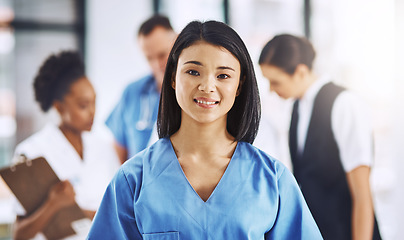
21 159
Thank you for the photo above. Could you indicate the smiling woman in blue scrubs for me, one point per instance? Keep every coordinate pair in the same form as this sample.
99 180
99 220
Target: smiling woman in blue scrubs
203 179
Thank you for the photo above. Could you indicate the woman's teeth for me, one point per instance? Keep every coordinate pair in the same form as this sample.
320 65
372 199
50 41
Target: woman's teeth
205 102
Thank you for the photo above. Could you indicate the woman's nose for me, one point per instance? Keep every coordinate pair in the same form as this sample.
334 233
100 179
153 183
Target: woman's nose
207 84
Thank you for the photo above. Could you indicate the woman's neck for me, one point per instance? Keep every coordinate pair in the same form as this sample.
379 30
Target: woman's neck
207 140
74 137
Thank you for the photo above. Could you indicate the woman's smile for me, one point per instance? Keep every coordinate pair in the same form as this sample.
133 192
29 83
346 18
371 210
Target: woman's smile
206 102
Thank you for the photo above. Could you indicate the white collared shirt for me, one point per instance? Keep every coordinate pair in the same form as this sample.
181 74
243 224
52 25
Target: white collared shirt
350 122
89 177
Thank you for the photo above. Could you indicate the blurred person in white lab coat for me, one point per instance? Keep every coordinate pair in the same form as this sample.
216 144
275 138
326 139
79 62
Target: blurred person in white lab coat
83 161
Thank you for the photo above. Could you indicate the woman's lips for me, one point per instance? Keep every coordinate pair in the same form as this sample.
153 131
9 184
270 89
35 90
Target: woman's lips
206 102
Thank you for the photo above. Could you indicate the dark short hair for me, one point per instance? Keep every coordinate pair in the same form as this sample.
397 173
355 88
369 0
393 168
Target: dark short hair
55 76
155 21
287 51
243 118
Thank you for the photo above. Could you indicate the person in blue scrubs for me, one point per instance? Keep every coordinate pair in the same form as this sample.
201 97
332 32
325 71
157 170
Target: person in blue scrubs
203 179
133 118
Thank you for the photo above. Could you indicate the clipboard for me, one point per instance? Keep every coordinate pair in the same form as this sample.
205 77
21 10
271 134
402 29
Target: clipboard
30 181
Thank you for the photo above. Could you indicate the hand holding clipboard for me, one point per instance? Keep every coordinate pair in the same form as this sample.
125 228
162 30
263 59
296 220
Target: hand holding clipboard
33 182
62 194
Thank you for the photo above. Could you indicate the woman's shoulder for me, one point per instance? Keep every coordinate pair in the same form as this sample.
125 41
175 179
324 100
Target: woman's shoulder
261 158
145 167
153 159
34 145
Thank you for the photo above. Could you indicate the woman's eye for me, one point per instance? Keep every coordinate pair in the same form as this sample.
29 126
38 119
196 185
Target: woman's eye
223 76
193 73
83 105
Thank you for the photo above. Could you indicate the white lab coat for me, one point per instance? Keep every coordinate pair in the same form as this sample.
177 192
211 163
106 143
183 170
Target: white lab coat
89 176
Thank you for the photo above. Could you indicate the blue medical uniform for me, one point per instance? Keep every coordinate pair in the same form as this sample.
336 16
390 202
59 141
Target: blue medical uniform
151 198
133 118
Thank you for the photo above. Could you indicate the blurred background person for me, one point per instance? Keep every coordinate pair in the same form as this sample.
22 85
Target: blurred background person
134 117
84 162
330 140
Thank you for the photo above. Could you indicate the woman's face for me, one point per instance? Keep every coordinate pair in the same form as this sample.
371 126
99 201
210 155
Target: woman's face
284 84
78 106
206 83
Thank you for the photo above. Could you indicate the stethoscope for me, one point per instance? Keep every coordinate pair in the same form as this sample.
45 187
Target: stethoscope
145 121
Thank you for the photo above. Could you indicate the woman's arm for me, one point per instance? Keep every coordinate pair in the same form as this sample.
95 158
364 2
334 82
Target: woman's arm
60 196
353 133
362 206
116 212
294 220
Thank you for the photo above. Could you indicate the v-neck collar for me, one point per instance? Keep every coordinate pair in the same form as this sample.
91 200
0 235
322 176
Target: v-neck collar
222 180
163 175
68 145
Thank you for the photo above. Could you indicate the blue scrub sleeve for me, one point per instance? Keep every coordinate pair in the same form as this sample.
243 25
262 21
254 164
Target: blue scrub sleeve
294 220
115 219
115 121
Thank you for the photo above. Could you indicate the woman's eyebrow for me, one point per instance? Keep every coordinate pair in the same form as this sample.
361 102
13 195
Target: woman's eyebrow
194 62
226 67
200 64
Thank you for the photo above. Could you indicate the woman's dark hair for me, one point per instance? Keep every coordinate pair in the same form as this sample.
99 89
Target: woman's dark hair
287 51
55 77
243 118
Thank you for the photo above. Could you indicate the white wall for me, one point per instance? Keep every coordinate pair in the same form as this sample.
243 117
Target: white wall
397 121
113 57
357 46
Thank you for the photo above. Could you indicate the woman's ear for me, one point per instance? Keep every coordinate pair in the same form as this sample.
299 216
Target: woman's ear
173 84
302 71
58 106
240 85
173 81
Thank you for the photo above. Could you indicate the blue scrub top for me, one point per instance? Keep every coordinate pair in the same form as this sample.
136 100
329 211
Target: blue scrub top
151 198
133 118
